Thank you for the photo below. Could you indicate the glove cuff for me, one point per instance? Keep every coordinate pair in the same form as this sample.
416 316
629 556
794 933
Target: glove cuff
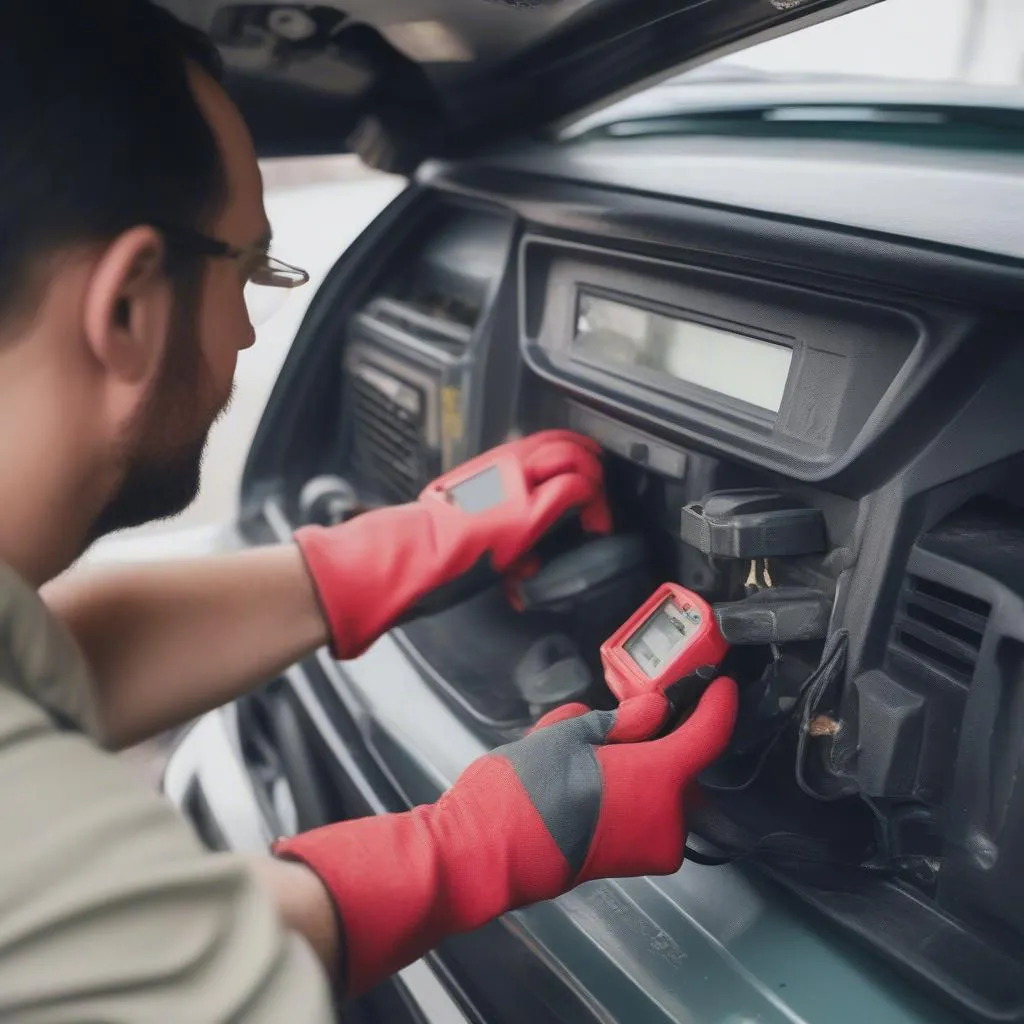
368 572
385 907
402 882
324 561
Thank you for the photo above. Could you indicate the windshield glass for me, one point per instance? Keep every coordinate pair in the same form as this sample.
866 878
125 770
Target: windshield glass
941 65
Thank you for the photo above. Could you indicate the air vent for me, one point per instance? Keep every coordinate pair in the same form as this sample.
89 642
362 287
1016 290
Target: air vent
387 420
437 325
938 628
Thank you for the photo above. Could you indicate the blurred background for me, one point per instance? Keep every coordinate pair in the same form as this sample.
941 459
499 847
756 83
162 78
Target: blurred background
318 207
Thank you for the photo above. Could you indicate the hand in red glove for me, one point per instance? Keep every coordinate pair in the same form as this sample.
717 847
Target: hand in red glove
410 559
586 795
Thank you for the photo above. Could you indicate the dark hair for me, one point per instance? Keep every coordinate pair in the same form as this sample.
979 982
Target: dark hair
100 130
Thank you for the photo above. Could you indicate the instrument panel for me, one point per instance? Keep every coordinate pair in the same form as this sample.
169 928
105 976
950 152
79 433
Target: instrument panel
653 357
872 380
796 380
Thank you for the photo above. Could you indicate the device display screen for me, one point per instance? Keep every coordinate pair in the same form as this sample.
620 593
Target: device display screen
662 638
736 365
480 492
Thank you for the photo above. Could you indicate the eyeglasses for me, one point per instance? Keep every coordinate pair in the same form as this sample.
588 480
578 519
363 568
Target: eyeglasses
268 280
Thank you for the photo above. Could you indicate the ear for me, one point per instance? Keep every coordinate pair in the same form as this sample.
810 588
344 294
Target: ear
127 310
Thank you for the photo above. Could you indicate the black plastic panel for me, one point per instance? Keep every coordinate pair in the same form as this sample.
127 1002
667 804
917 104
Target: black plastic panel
849 357
885 476
975 975
980 551
414 351
684 228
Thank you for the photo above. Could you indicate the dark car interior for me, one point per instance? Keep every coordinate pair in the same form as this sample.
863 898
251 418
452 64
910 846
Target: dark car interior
810 407
858 523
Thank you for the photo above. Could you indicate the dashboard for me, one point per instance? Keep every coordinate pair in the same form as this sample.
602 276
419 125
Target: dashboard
870 376
416 348
792 377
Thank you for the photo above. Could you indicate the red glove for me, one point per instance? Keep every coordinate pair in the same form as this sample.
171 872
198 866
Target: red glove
586 795
411 559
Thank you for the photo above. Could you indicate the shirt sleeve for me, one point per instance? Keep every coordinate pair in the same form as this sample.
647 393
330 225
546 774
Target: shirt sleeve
113 911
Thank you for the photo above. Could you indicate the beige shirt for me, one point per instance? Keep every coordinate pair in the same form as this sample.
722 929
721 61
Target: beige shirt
111 910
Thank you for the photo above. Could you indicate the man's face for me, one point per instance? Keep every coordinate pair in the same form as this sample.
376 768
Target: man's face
163 447
164 453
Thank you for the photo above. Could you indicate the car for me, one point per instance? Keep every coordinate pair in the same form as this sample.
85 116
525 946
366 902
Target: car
789 308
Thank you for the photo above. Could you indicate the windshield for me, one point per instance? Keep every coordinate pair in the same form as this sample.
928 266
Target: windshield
944 66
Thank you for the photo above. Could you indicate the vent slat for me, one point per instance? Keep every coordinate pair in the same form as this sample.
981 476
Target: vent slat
927 588
429 327
966 621
393 485
400 445
938 629
378 462
387 440
938 640
395 442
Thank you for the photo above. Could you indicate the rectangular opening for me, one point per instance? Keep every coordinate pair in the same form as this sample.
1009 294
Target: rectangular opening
927 588
949 626
960 667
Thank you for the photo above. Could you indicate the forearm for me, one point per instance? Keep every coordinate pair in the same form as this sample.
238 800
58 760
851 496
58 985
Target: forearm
167 642
304 905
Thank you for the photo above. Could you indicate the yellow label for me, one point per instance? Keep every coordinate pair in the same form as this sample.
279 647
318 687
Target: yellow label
451 421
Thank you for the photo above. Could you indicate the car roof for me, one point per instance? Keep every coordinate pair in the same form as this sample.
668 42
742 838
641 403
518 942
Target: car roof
400 81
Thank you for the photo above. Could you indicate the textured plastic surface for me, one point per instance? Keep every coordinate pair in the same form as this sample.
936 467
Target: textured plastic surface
472 650
847 357
705 646
752 524
981 880
981 977
552 672
706 944
593 564
779 615
948 436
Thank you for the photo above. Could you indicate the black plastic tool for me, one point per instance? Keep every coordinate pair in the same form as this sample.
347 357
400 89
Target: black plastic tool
752 523
779 615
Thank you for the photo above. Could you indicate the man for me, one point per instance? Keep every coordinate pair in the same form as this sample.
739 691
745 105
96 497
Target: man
131 221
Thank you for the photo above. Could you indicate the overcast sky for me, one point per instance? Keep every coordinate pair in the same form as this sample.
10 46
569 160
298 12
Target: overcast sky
898 38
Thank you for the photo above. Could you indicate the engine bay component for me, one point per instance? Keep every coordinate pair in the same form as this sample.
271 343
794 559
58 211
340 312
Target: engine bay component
668 638
754 523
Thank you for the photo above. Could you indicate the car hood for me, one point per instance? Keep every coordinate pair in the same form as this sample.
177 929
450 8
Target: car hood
401 81
819 96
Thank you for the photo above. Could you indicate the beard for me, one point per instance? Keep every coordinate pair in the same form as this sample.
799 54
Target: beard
152 489
163 465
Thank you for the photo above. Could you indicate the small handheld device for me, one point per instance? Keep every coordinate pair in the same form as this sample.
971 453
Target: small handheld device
671 635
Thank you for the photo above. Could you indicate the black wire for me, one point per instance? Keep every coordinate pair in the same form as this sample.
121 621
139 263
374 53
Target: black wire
756 850
828 656
707 859
833 650
762 760
838 653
